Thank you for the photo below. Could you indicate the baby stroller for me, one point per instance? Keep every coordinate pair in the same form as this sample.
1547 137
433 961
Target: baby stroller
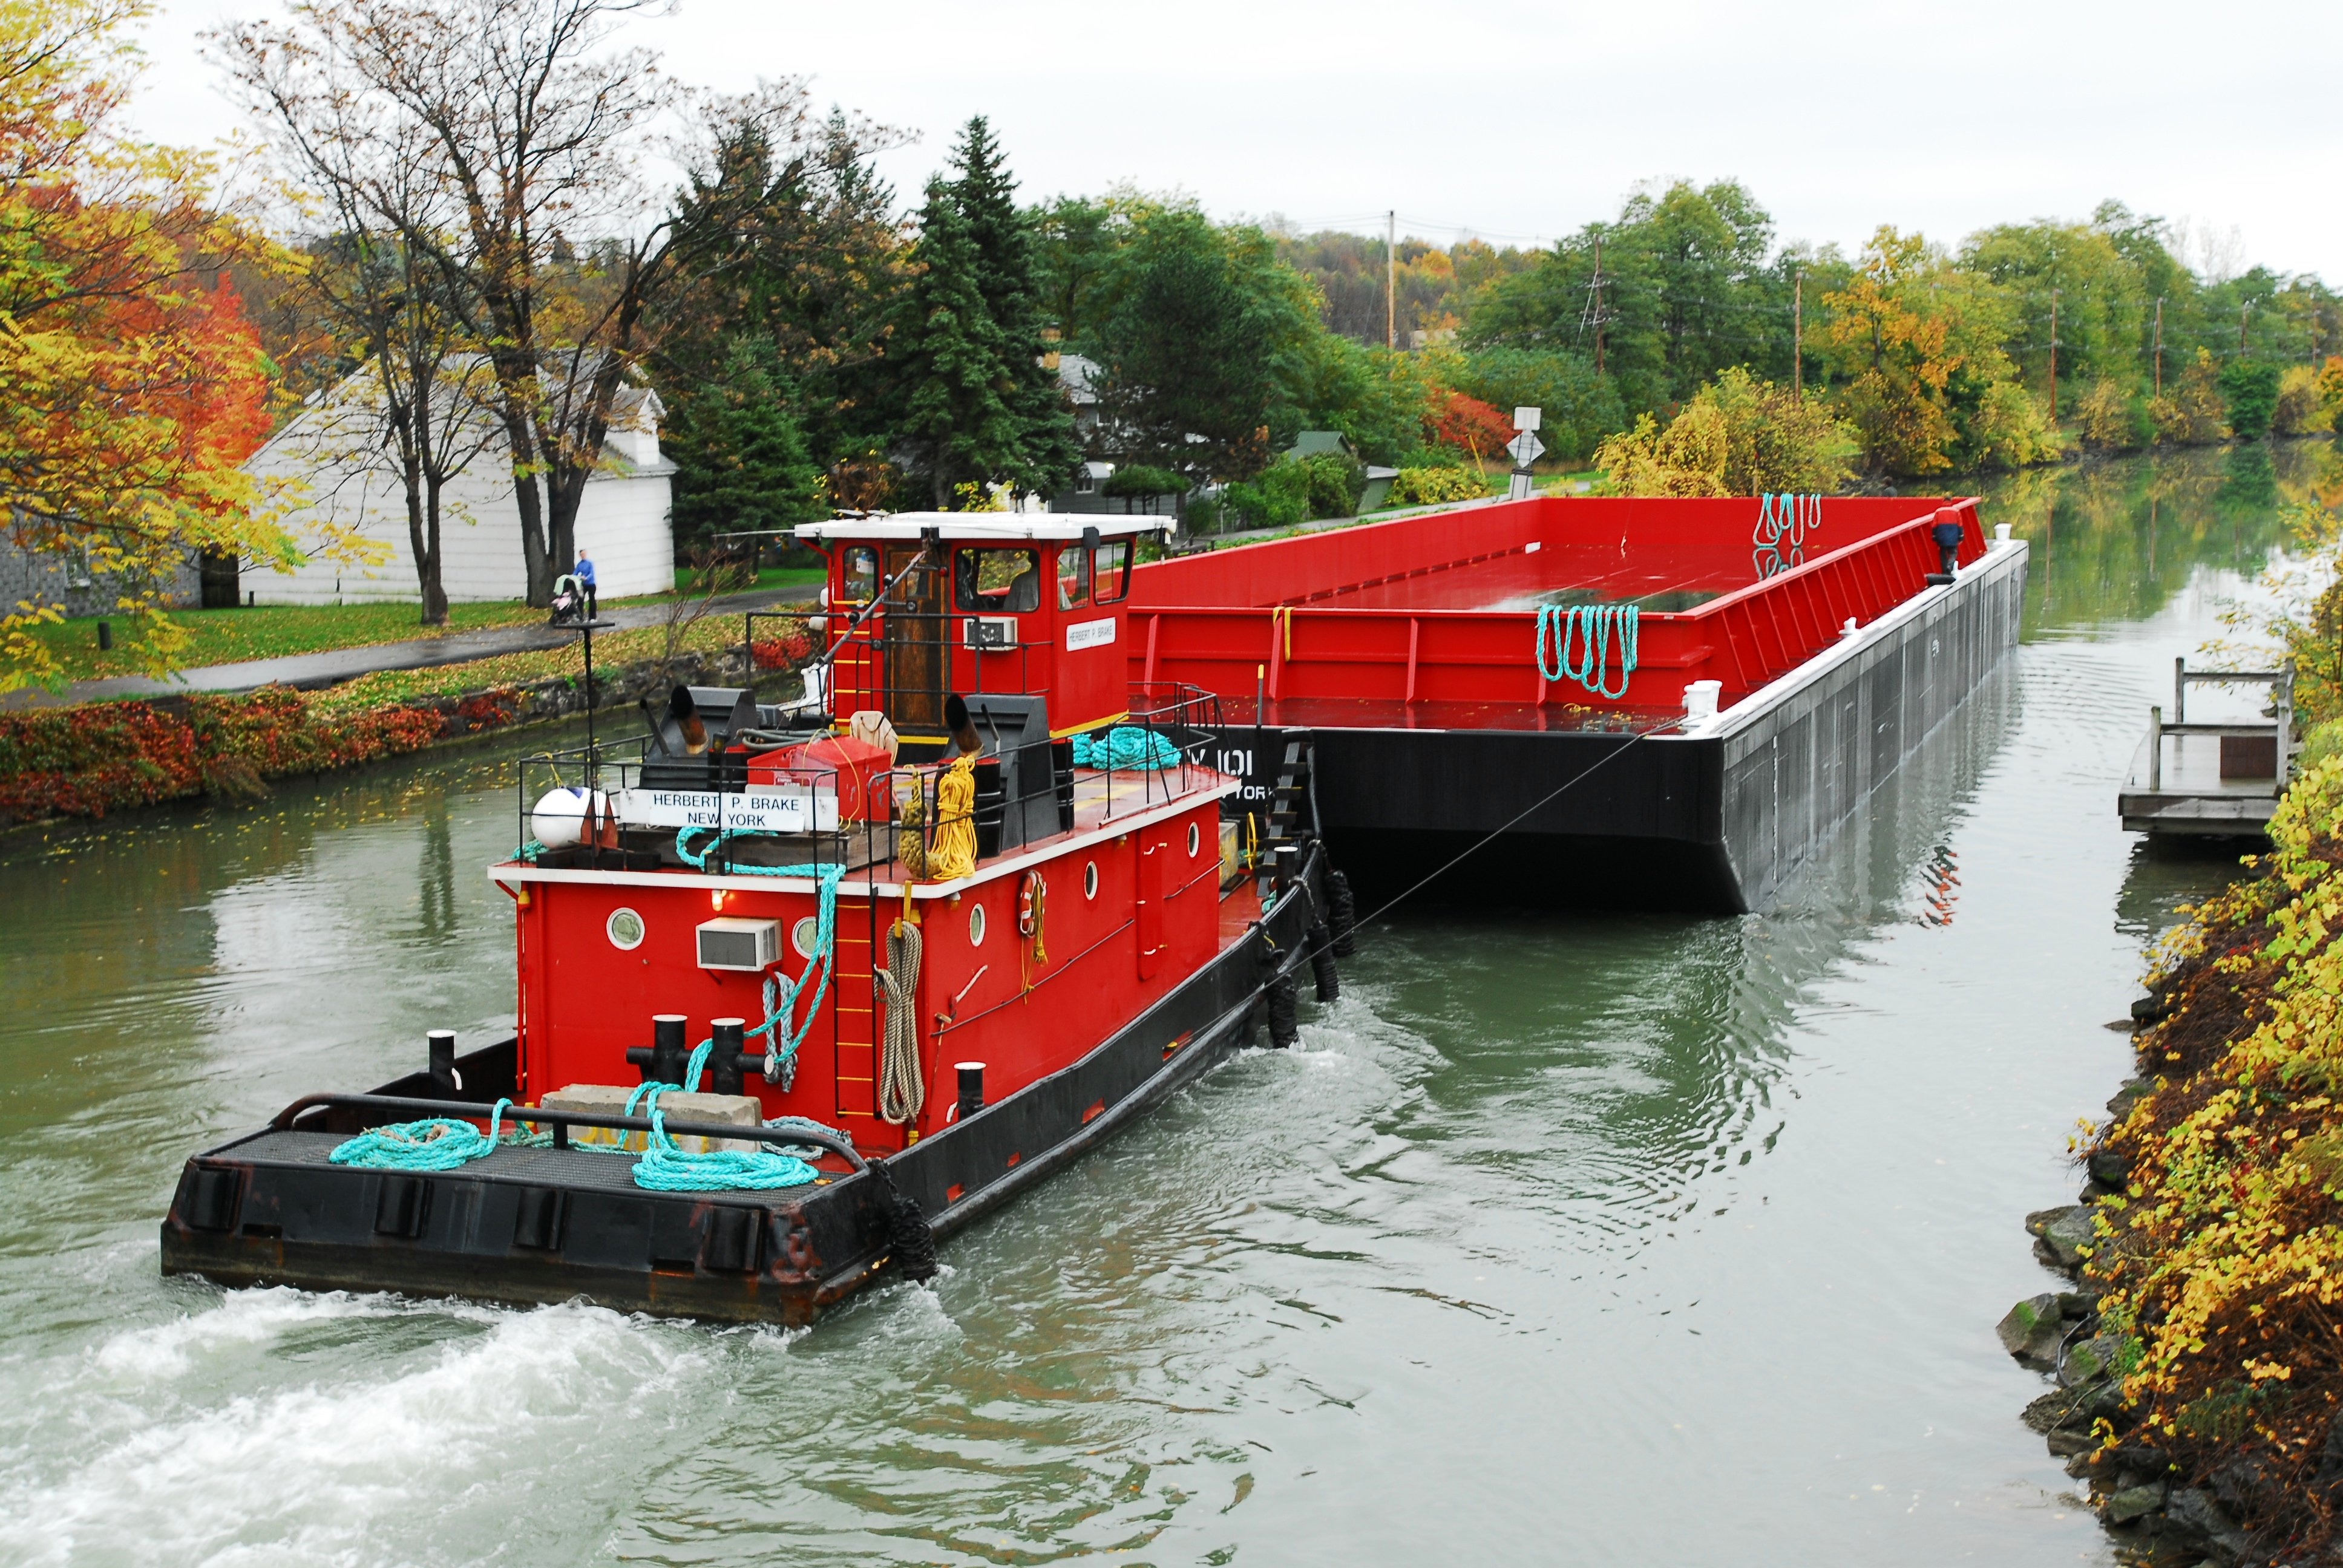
569 600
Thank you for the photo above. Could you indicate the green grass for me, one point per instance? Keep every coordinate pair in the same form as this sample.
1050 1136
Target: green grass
232 636
769 577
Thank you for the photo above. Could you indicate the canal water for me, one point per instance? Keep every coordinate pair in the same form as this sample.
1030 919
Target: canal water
1607 1240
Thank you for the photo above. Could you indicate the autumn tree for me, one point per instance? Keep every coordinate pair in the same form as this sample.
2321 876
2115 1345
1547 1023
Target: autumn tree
535 126
420 393
135 384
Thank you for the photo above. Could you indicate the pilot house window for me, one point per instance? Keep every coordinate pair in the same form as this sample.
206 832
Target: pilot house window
997 581
1073 578
859 573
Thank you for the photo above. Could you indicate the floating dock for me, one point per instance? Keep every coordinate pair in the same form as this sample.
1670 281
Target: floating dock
1409 670
2210 780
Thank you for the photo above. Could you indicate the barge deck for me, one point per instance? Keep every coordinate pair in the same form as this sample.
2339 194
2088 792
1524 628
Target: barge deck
1405 662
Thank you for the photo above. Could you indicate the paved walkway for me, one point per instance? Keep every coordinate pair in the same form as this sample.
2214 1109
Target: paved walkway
334 666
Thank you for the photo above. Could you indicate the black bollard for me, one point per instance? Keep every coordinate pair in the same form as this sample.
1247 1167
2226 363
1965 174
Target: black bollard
669 1052
105 636
1287 861
441 1043
729 1034
971 1088
662 1060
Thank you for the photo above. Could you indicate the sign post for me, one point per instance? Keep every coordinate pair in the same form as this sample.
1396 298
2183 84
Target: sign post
1525 449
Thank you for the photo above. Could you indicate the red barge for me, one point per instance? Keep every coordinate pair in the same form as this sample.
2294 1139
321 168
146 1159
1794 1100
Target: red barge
1053 832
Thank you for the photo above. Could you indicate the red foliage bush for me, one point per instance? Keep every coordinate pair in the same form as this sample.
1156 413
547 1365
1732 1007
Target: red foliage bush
786 651
87 761
1469 425
487 709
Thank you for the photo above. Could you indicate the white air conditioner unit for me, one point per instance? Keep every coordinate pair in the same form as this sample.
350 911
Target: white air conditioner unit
991 631
734 944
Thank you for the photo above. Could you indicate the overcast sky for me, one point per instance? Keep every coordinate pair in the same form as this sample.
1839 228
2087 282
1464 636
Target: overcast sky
1521 122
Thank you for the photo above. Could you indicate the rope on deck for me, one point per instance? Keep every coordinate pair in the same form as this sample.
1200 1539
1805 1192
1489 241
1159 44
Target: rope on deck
1589 629
668 1167
1783 519
436 1143
902 1086
1127 748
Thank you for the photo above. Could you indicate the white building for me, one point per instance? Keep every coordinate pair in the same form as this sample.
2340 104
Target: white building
622 518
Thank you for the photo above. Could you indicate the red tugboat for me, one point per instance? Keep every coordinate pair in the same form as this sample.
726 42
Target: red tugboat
803 991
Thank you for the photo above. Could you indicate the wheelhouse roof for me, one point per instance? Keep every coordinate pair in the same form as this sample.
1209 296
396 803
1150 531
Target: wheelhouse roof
979 527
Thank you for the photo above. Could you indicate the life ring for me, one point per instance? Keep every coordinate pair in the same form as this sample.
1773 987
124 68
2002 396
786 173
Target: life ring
1030 893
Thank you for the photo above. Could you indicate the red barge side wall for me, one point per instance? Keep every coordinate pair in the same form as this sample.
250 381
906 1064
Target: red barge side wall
1157 918
1354 613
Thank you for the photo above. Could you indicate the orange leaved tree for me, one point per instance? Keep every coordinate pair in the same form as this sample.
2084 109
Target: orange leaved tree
131 384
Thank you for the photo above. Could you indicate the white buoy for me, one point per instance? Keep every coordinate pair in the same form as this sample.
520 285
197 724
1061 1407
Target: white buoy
561 817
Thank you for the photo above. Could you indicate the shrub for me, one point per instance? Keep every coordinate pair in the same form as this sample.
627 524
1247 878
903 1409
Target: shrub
1432 486
2009 430
1738 437
2249 388
2224 1255
2301 410
2190 413
90 760
1278 498
1335 483
1579 407
2113 417
1138 479
1467 424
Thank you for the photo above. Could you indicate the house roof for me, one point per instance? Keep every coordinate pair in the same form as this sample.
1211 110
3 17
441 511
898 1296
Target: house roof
988 526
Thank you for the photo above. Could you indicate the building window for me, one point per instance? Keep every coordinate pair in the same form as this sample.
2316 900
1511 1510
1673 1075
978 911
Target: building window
1085 483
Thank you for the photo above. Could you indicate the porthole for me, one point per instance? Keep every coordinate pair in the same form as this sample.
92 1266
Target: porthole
976 925
1090 880
625 929
1195 840
802 936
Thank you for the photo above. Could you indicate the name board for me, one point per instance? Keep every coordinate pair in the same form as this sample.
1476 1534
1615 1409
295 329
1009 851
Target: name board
1089 634
802 810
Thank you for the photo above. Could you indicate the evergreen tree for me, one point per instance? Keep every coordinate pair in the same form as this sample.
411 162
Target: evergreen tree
739 454
1006 276
954 381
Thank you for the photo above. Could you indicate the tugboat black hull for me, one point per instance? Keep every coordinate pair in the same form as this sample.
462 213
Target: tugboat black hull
532 1224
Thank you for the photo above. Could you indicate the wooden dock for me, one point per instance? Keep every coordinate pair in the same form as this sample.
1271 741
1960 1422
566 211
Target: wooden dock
2210 780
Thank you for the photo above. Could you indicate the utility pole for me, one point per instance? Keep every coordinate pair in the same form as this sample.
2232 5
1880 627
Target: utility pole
2242 308
1391 280
1598 305
1798 334
2159 345
2054 357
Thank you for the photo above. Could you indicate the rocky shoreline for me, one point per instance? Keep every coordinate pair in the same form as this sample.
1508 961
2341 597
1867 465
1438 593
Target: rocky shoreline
2127 1481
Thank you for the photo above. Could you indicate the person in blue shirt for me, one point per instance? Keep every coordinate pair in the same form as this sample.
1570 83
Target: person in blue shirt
584 574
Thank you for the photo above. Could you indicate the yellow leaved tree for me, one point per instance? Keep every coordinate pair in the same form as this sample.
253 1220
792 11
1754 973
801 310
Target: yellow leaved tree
131 384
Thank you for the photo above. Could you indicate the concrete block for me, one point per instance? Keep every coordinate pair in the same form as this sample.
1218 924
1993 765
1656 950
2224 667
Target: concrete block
610 1100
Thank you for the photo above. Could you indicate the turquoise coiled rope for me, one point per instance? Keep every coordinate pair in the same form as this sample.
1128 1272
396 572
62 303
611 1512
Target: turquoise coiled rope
1590 629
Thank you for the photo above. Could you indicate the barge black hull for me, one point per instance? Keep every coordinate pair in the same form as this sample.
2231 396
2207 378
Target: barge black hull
528 1225
1712 822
